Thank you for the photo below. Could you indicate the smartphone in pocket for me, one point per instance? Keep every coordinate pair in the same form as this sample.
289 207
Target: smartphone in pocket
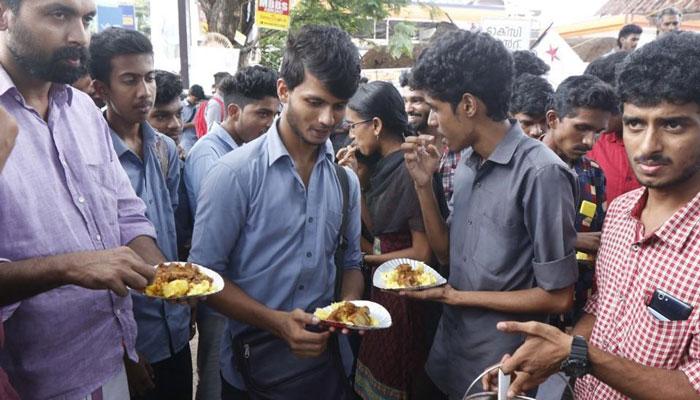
665 307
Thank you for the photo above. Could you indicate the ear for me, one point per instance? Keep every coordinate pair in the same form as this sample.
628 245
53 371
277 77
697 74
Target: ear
552 119
6 15
101 89
469 105
282 91
233 111
377 126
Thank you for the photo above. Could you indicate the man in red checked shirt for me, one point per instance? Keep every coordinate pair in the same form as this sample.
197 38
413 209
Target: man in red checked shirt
639 337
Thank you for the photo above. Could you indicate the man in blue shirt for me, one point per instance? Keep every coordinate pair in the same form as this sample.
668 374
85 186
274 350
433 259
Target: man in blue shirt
122 64
251 103
189 109
269 214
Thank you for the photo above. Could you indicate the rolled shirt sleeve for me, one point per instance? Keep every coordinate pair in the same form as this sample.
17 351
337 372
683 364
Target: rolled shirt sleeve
549 204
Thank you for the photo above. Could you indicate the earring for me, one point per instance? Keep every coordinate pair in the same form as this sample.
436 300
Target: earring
376 137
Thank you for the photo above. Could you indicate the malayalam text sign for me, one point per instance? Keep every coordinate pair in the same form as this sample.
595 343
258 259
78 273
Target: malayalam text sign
513 33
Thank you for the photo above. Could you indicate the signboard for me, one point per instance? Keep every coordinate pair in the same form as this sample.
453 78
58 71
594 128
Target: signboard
122 16
513 33
272 14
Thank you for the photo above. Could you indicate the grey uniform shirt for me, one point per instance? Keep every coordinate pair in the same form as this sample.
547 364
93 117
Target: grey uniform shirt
512 228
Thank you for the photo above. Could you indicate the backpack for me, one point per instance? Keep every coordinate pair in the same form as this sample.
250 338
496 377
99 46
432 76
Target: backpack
200 118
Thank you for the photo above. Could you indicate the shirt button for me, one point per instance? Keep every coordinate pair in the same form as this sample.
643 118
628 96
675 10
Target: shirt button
469 222
308 255
98 237
81 199
118 311
311 219
635 247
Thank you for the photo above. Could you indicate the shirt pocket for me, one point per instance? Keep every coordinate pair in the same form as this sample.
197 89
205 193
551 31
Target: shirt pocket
669 339
500 240
105 196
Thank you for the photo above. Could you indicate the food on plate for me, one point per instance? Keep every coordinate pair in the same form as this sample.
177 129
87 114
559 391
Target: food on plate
405 276
345 312
178 280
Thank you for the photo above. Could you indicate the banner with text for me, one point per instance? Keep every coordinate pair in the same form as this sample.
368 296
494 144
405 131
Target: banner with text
513 33
272 14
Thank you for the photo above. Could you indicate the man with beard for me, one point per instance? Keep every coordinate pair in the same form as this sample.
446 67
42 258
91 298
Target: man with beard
66 207
638 338
579 111
122 65
269 219
251 103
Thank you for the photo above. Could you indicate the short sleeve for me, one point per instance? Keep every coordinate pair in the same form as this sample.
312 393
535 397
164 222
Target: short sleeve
549 201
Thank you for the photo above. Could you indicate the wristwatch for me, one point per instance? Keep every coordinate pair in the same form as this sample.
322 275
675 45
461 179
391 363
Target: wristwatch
577 364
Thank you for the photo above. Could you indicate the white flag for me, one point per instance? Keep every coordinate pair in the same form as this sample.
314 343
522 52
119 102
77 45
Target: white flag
561 58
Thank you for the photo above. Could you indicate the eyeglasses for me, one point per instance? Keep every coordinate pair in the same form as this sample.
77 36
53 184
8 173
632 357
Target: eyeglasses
352 125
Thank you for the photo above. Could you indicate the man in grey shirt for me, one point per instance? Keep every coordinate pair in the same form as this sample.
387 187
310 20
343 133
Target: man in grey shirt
510 238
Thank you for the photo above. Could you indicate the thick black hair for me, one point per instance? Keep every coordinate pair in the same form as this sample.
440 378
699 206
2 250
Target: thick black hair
249 84
381 100
605 67
198 92
327 53
526 62
168 87
462 62
629 29
404 78
667 69
113 42
531 95
583 91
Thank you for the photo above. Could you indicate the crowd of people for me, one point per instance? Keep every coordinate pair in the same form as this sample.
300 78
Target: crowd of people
565 219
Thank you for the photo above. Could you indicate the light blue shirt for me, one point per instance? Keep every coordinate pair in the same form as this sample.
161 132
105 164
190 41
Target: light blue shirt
258 225
203 156
163 328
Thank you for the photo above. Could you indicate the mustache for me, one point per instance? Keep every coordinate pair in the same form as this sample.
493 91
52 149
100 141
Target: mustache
71 52
658 159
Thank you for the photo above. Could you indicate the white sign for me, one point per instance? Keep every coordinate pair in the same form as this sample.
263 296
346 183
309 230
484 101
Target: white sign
513 33
206 61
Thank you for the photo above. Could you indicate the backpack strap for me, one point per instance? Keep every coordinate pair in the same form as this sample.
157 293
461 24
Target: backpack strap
342 240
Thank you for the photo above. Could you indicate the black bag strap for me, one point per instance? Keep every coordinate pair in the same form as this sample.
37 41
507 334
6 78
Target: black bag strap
342 240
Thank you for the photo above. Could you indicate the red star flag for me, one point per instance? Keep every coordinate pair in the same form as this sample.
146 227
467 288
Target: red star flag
561 58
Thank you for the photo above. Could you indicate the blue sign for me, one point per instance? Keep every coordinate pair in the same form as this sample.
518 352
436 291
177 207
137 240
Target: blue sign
123 16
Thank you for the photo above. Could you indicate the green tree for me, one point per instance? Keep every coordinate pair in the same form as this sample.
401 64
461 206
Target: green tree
354 16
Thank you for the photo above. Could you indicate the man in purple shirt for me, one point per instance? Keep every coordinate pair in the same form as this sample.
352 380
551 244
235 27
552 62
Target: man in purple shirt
71 222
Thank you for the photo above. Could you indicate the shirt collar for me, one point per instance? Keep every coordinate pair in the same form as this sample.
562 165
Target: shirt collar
222 134
505 149
276 148
148 135
60 94
677 229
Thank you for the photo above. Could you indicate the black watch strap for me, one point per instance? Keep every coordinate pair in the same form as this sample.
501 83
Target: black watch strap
579 348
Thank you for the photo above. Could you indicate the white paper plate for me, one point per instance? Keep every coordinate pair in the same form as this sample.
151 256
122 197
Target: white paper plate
378 278
217 283
376 311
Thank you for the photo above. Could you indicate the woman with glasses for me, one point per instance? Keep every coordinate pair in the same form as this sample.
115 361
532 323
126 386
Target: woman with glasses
391 362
